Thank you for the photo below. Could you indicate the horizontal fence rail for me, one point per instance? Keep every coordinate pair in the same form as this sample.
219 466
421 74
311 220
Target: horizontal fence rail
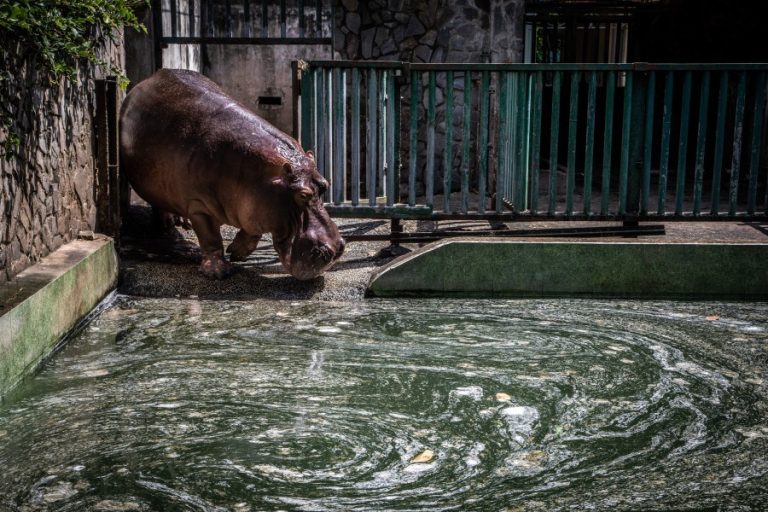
243 21
532 141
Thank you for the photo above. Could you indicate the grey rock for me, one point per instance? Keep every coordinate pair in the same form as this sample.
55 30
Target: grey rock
353 22
350 5
414 28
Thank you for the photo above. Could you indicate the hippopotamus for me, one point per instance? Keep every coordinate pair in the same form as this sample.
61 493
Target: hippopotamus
192 151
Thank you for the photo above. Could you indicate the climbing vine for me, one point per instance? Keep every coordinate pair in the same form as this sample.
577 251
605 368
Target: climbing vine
55 35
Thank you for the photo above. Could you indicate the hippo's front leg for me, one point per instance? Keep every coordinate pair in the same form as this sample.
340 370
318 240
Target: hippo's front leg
243 245
209 235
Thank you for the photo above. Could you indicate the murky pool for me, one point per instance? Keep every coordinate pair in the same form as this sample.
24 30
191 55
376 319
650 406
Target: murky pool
396 405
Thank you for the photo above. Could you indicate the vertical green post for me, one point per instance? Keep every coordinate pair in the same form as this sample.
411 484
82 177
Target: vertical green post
701 143
501 165
382 134
757 137
414 137
738 132
392 182
625 143
717 161
307 115
605 189
482 147
465 139
371 132
430 177
511 170
355 138
339 135
555 134
322 125
650 100
573 117
523 139
666 129
448 142
536 140
639 81
589 143
682 153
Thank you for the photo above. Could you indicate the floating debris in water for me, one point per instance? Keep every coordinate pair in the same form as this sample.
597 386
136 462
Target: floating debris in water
423 457
116 506
503 397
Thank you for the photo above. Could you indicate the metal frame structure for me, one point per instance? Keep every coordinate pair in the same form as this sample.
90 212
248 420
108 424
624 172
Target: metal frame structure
679 141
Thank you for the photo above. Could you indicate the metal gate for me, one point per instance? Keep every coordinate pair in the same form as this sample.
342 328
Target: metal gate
622 142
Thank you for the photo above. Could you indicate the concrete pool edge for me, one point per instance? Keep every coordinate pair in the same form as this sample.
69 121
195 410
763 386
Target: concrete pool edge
47 300
545 268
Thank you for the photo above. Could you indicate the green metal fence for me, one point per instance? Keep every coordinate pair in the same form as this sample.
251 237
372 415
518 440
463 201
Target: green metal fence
531 141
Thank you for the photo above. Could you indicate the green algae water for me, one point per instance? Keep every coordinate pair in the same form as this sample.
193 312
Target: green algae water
396 405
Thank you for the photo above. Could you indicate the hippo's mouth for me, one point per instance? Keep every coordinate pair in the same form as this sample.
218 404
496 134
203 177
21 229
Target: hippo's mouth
306 258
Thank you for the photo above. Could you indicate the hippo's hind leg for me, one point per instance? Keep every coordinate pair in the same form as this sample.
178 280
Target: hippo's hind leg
166 221
242 246
208 234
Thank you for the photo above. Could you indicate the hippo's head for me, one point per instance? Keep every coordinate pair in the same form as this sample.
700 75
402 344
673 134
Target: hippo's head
312 243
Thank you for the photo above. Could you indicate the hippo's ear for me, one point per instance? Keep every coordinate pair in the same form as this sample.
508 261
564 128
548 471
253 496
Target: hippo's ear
311 154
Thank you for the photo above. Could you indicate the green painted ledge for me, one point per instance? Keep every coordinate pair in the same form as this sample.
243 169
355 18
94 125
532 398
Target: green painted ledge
514 268
47 300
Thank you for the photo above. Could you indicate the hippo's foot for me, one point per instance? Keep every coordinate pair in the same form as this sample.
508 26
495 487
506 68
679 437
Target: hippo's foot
166 221
214 266
242 246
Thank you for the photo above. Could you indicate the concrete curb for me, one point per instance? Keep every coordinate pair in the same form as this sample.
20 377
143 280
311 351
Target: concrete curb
47 300
515 268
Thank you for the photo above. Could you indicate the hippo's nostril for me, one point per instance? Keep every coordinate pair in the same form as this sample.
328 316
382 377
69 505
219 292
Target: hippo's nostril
340 248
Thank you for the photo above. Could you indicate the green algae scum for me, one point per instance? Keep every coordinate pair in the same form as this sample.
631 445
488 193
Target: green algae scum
415 405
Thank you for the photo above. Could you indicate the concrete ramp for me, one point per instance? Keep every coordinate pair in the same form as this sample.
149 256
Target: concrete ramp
545 268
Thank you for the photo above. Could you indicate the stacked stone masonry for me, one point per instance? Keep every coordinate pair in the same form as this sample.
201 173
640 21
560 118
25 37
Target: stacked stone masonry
47 187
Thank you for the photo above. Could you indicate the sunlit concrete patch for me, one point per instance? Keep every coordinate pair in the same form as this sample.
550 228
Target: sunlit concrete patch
47 300
525 268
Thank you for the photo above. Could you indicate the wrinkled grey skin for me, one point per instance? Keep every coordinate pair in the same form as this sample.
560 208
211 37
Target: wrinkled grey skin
189 149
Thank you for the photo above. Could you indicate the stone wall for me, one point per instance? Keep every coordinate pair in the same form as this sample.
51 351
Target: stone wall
430 30
47 189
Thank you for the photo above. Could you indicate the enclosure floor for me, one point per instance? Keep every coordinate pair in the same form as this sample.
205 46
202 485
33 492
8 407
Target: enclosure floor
166 264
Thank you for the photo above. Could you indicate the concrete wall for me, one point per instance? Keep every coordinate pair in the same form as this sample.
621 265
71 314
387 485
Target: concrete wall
47 188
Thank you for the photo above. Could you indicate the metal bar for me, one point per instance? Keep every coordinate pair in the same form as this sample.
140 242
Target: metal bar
247 17
757 137
501 167
482 148
465 140
717 161
701 141
555 133
191 16
228 18
536 140
573 125
283 30
589 149
251 41
666 129
738 131
355 138
322 124
157 25
339 135
372 134
430 177
512 117
625 144
523 115
302 22
319 18
414 137
174 15
391 122
381 163
448 142
650 100
682 154
610 91
498 67
265 24
307 90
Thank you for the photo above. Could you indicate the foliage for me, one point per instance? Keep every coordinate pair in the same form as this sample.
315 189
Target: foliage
55 35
